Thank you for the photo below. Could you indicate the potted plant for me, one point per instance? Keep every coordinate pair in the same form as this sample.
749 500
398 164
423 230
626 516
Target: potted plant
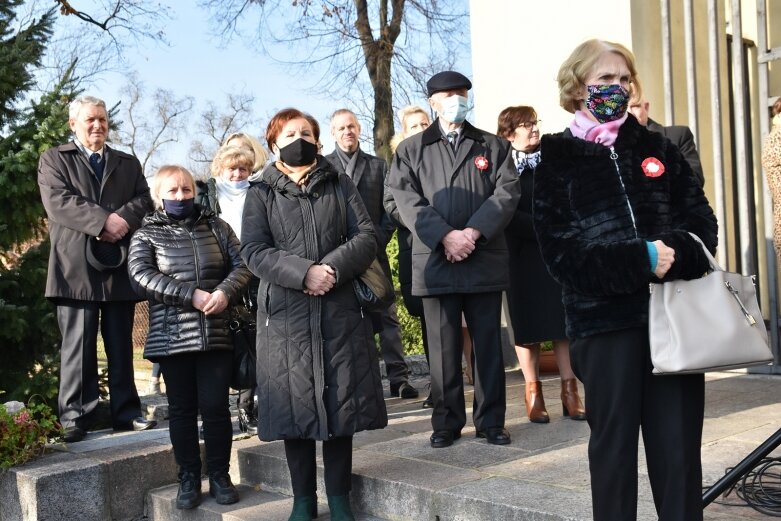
548 359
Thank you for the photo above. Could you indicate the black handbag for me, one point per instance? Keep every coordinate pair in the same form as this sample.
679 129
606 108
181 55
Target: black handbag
372 288
242 326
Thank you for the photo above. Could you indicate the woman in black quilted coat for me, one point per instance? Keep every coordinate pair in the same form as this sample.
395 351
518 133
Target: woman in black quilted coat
186 261
318 371
613 207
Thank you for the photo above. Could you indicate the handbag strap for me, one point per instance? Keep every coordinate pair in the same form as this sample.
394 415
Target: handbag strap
342 208
712 261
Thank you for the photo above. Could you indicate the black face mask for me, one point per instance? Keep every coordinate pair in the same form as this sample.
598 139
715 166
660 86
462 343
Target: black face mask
298 153
179 209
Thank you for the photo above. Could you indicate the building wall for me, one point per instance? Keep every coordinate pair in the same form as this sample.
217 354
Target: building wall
518 46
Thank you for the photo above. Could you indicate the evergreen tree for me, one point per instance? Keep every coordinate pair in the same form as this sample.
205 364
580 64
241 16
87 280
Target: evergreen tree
29 335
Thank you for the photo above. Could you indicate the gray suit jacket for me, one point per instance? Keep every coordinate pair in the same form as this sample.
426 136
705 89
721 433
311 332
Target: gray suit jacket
78 205
682 138
369 178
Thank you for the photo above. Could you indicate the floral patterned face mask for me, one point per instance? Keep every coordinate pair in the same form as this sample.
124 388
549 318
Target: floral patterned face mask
607 102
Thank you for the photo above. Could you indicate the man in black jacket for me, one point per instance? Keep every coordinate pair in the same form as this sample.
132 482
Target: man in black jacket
680 135
95 198
368 174
456 187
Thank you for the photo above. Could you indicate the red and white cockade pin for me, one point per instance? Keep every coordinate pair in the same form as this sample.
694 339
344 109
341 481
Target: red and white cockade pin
481 163
652 167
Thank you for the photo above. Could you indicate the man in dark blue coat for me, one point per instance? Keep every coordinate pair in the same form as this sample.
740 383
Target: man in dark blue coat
456 187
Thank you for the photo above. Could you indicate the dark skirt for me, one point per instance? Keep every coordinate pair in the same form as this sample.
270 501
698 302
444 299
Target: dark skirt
534 298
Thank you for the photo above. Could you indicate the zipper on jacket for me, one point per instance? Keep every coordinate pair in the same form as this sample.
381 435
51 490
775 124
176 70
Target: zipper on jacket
614 157
198 286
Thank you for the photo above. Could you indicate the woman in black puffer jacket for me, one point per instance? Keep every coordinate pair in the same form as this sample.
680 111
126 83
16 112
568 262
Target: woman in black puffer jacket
186 261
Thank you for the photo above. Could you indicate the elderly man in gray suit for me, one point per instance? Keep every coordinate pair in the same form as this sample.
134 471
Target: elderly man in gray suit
368 174
95 197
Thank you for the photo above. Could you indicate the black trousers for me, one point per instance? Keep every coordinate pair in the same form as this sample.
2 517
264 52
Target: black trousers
623 398
199 381
443 326
391 348
337 462
79 321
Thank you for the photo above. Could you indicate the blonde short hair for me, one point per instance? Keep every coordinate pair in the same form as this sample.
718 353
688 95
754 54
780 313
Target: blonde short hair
231 155
249 142
573 72
163 173
404 113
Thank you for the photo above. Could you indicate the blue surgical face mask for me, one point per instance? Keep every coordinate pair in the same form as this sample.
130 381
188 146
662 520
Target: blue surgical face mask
179 209
454 109
238 185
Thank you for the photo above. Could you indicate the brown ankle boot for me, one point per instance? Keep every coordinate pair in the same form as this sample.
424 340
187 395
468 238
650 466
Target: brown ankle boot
570 401
535 403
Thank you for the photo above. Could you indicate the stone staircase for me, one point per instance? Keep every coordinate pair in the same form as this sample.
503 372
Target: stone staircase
541 476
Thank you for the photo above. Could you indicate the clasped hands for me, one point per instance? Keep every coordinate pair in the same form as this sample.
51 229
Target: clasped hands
319 280
459 244
210 303
114 228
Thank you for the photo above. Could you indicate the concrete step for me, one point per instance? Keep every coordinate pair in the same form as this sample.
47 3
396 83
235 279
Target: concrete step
255 504
398 476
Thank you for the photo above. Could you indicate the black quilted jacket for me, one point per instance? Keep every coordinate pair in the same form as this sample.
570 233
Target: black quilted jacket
318 368
167 261
594 210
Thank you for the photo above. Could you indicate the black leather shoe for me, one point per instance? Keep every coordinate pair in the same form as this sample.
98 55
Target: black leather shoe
222 490
73 434
189 494
247 422
495 435
440 439
428 403
404 390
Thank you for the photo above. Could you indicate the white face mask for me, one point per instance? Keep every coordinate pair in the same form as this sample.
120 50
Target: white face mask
239 185
454 109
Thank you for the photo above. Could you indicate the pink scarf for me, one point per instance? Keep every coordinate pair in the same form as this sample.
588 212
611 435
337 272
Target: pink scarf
586 128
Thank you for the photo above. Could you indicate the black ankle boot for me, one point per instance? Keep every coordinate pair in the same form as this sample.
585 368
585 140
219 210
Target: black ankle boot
340 508
304 508
189 494
247 422
222 490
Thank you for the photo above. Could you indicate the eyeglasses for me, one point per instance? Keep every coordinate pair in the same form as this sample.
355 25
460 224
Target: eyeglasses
528 125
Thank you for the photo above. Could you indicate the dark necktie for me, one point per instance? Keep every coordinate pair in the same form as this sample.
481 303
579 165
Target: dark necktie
452 138
96 163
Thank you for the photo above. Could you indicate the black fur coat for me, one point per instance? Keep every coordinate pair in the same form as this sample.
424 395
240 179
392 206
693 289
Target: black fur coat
593 224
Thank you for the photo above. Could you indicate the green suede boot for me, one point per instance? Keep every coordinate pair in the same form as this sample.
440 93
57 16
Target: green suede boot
340 508
304 508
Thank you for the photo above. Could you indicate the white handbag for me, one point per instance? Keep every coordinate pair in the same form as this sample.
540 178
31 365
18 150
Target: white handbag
706 324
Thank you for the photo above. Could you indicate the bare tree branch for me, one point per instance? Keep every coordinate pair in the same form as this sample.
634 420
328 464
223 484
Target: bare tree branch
144 136
371 52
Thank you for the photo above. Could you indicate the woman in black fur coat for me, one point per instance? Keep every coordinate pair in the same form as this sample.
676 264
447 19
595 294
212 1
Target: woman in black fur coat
613 208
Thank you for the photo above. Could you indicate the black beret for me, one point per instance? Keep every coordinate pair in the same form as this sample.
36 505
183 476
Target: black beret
106 256
447 80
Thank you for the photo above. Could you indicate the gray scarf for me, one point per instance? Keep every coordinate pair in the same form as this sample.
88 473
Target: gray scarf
348 161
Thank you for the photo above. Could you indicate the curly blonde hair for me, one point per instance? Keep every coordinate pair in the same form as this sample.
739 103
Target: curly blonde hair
231 155
573 72
249 142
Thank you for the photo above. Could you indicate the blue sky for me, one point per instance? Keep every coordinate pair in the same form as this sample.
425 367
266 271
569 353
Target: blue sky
198 64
